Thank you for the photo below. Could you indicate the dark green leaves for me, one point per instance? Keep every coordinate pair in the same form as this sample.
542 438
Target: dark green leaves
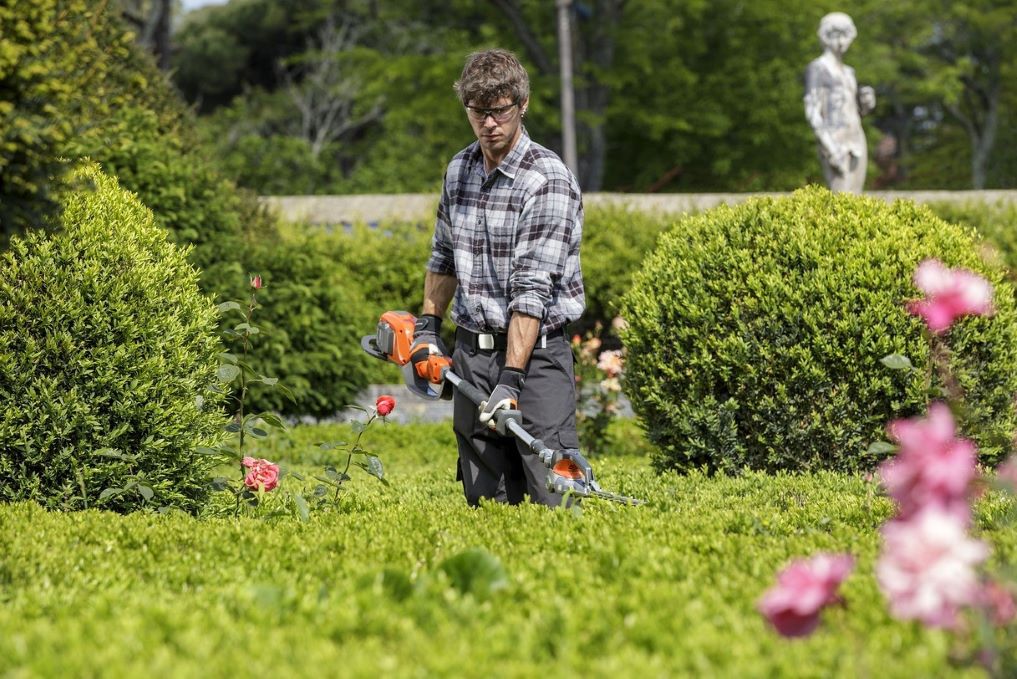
475 571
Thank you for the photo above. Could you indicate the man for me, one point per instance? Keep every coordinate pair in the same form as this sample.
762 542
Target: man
834 106
506 246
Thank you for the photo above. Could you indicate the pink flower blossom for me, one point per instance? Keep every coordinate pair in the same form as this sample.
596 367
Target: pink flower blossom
803 589
256 282
949 294
933 466
927 567
263 474
611 363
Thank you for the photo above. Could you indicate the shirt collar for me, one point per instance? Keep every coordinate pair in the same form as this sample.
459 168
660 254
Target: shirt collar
510 165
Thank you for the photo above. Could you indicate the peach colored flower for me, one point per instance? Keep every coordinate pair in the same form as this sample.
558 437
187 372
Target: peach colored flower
802 591
949 294
611 362
927 567
610 384
263 474
933 466
385 404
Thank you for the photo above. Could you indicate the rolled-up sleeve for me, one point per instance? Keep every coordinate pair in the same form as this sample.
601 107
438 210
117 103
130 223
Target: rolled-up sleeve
442 259
545 231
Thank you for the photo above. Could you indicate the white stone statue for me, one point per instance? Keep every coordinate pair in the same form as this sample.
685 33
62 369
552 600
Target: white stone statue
834 106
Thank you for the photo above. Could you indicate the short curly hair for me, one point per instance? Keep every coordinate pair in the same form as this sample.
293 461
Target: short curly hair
490 75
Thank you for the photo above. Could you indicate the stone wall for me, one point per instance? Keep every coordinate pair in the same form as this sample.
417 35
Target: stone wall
421 206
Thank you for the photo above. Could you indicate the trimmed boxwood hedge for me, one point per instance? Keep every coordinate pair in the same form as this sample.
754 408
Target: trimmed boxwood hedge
108 359
756 334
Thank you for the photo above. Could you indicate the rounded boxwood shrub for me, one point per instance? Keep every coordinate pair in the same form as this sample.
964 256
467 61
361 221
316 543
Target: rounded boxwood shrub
108 358
756 334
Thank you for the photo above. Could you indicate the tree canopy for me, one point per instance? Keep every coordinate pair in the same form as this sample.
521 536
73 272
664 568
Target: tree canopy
312 96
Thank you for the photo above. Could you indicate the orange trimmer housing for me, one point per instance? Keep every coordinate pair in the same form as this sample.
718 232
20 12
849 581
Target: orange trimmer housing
393 342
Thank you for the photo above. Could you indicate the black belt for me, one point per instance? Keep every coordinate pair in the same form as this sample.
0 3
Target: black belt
498 341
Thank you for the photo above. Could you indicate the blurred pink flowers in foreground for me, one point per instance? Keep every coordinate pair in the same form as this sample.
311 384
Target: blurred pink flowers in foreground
933 466
263 474
927 567
949 294
803 589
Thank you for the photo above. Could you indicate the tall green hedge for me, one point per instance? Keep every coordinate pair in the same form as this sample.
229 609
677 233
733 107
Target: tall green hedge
79 88
55 62
311 321
108 359
995 222
615 241
756 334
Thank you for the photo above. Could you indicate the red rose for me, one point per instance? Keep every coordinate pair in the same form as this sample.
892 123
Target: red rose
385 404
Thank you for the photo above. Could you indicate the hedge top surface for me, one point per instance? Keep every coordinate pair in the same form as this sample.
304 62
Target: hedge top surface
756 333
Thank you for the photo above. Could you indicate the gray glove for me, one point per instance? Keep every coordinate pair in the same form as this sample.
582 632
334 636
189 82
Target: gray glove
505 395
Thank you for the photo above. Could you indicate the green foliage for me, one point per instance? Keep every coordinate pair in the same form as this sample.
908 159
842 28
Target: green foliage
756 334
996 223
312 321
108 354
615 241
384 271
51 52
665 589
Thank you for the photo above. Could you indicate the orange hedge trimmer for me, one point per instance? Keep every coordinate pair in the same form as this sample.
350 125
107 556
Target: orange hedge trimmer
568 470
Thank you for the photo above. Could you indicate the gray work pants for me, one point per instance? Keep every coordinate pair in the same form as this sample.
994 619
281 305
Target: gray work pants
499 467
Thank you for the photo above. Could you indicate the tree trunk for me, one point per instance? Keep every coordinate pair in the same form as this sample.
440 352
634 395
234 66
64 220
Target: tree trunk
982 144
593 36
595 56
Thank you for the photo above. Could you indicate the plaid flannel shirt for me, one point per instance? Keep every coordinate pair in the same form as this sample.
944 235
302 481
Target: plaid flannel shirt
511 238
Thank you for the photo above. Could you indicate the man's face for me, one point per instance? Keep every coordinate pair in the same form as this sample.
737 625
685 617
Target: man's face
496 123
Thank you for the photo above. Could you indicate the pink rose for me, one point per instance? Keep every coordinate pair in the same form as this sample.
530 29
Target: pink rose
385 404
949 294
256 282
263 474
933 466
927 567
803 589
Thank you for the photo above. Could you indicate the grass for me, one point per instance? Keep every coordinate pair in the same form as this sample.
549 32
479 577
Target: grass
406 581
